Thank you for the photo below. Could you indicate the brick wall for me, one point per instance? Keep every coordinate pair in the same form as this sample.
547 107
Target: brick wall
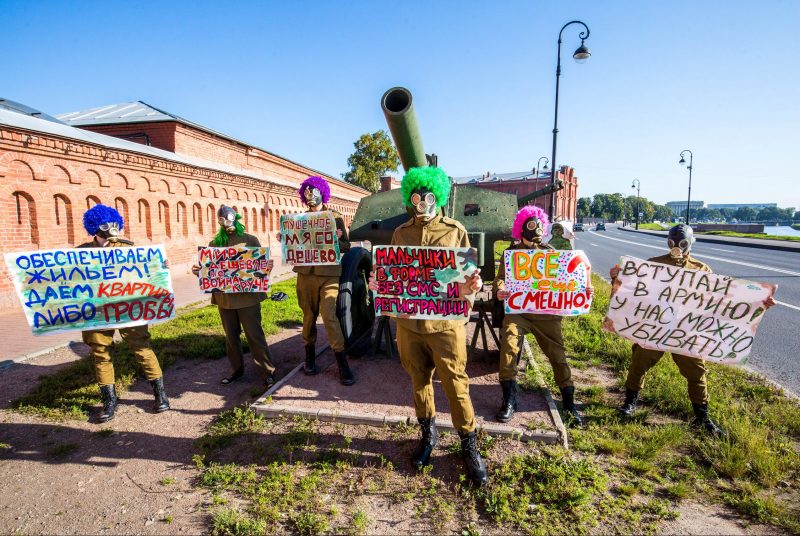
46 184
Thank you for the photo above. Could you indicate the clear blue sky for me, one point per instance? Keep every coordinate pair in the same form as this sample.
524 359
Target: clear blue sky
304 80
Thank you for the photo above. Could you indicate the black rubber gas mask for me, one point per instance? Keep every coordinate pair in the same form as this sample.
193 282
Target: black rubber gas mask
532 230
226 217
108 230
680 240
423 202
312 196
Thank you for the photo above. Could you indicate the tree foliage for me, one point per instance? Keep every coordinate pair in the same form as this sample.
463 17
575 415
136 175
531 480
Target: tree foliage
374 156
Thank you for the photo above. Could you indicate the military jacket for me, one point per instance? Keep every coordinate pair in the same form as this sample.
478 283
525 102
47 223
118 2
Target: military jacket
442 232
238 300
331 270
691 262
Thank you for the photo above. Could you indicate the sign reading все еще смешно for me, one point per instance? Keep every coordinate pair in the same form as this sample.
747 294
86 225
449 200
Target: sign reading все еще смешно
234 269
549 282
688 312
422 282
77 289
309 239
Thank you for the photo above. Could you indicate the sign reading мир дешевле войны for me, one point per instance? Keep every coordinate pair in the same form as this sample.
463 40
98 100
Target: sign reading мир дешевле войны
687 312
234 269
77 289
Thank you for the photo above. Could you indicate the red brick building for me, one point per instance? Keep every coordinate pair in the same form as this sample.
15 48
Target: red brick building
523 183
167 177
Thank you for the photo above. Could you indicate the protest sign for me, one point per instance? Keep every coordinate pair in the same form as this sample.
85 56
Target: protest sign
234 269
309 239
92 288
422 282
688 312
547 282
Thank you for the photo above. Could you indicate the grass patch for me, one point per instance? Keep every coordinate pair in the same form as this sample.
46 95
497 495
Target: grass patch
762 236
194 334
652 227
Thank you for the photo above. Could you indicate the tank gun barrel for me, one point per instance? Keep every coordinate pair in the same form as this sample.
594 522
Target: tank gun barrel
398 108
559 184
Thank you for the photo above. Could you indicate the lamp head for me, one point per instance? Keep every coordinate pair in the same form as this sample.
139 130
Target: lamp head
545 167
682 161
582 53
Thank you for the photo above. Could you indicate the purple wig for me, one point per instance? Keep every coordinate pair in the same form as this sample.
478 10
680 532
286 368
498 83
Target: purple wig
525 213
98 215
315 182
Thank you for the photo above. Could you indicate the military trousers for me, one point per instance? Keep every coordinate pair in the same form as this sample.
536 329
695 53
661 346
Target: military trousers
547 331
138 339
249 318
692 368
317 295
446 353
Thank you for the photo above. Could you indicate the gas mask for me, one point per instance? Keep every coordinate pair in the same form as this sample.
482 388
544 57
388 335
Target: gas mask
680 240
226 217
312 196
423 202
532 230
108 230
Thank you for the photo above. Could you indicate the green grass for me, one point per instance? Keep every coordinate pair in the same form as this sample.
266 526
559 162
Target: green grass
193 334
796 226
751 235
652 227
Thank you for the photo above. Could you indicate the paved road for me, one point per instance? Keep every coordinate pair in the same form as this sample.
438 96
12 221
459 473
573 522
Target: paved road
776 352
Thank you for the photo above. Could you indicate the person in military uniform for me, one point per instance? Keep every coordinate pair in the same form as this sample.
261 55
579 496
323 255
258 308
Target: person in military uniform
318 287
529 227
440 345
558 240
105 224
679 239
240 310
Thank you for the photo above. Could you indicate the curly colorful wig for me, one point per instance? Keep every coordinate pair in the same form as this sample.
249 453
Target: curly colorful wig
525 213
99 214
432 178
315 182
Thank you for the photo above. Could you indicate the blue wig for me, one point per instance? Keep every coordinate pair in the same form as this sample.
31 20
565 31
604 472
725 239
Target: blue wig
98 215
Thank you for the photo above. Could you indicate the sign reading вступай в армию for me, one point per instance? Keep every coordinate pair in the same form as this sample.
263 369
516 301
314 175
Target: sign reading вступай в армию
234 269
687 312
309 239
76 289
549 282
422 282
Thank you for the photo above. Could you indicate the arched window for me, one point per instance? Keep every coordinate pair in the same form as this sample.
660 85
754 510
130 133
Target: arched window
163 218
27 224
65 228
180 214
197 217
122 207
144 218
91 201
254 219
211 214
264 221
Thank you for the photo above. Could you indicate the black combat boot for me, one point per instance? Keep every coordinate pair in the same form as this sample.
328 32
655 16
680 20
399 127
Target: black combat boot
568 404
310 367
509 400
629 406
703 421
346 376
162 402
109 395
473 463
422 455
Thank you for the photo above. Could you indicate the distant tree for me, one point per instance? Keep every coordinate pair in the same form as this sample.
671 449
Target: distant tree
787 213
584 207
796 216
745 214
769 213
663 213
374 156
727 213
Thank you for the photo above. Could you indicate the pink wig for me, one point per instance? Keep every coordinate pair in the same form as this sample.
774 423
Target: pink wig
316 182
525 213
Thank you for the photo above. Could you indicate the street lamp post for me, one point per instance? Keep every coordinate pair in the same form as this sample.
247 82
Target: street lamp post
539 165
580 55
689 167
636 184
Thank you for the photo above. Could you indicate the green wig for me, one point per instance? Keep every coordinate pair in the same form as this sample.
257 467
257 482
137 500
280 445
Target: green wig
221 239
432 178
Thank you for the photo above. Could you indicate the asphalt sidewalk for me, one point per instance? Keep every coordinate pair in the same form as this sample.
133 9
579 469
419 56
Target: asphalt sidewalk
20 344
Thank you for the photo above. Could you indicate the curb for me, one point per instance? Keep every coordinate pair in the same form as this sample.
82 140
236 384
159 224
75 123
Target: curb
561 430
745 242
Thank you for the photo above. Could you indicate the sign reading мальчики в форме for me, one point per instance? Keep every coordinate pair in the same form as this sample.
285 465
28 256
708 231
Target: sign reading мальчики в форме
77 289
687 312
423 282
309 239
234 269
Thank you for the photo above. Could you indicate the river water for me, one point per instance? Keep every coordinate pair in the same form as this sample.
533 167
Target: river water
783 230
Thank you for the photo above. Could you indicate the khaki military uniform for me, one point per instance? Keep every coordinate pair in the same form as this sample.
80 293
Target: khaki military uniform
137 337
318 291
545 328
692 368
239 310
440 345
